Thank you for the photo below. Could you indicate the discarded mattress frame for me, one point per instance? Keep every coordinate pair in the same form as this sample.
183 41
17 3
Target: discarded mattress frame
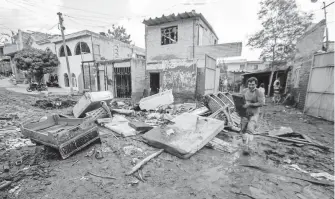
64 134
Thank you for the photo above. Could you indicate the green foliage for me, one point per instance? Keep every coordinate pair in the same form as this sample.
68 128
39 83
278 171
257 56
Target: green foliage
118 33
36 62
282 25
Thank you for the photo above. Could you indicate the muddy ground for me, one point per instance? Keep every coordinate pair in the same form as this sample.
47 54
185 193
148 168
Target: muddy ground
207 174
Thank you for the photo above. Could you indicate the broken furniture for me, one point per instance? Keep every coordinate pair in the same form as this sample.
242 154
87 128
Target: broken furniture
91 101
187 134
64 134
223 108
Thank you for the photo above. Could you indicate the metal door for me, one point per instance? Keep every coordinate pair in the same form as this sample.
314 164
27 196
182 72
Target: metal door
320 92
122 82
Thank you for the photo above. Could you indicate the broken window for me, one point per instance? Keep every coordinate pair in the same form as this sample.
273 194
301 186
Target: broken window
256 67
169 35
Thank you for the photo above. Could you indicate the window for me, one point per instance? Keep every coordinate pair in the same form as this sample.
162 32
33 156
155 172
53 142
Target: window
256 67
215 41
169 35
62 53
242 67
82 48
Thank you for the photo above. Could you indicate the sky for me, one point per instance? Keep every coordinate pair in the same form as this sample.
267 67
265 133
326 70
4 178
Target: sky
233 21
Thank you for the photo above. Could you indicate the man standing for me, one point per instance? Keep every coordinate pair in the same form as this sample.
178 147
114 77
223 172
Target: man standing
276 89
254 99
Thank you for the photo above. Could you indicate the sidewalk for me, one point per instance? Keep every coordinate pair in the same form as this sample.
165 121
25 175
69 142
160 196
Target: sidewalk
22 88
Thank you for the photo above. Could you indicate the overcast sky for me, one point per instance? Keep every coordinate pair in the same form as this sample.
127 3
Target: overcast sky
232 20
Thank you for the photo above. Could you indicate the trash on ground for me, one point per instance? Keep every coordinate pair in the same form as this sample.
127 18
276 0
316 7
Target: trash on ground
322 175
201 111
120 126
155 101
64 134
124 111
222 146
91 101
17 143
131 150
140 126
54 104
144 161
282 131
104 120
4 184
191 133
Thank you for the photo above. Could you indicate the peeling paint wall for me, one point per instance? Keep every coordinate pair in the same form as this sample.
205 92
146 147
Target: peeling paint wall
180 75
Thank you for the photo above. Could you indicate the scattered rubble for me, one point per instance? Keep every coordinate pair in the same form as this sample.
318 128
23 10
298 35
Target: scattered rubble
180 130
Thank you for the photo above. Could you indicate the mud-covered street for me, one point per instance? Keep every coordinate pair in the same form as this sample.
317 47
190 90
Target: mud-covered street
273 169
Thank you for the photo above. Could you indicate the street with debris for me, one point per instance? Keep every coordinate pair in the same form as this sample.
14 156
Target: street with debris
274 168
167 99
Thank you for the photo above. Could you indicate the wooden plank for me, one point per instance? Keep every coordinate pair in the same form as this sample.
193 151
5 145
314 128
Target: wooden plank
144 161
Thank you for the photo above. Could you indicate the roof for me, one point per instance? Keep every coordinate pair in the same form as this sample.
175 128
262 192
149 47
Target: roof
172 17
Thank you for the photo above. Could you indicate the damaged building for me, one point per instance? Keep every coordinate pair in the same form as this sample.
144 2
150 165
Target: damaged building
181 54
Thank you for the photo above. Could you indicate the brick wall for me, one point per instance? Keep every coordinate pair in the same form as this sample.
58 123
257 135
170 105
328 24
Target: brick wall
179 50
307 46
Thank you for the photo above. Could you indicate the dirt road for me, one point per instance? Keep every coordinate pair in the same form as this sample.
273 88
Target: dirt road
207 174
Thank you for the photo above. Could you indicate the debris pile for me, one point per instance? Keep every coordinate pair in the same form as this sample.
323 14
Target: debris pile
54 104
180 130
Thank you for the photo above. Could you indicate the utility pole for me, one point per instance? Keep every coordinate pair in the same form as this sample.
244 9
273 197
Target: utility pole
62 28
325 12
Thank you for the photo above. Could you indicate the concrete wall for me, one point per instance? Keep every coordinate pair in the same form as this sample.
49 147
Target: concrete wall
137 78
44 46
234 66
208 37
179 50
216 51
178 75
307 45
107 48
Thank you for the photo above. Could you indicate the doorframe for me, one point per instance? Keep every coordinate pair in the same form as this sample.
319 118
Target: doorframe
160 76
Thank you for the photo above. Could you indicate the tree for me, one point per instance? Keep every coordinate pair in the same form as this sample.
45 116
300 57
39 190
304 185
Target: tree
36 62
282 25
118 33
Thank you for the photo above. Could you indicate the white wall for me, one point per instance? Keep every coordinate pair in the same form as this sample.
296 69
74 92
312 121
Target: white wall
74 60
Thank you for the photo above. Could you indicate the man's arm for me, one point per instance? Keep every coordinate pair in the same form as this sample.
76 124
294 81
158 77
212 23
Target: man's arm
260 97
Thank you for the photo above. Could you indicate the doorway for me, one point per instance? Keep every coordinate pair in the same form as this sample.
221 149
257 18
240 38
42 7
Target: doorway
122 78
154 83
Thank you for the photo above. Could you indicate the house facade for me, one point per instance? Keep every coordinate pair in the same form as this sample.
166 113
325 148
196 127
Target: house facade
181 53
85 46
